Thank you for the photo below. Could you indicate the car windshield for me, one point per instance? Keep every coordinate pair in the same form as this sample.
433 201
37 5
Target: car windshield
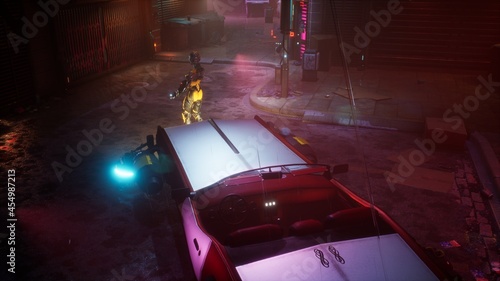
271 172
270 210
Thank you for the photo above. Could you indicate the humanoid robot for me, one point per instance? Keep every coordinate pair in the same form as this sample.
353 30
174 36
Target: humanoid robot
191 105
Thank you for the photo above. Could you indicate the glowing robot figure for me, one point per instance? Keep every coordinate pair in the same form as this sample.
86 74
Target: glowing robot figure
191 105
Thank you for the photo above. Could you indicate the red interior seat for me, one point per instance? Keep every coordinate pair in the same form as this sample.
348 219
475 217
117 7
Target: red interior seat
355 223
361 216
254 234
305 227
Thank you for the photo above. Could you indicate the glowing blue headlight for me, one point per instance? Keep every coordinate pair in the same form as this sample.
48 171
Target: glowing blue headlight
123 172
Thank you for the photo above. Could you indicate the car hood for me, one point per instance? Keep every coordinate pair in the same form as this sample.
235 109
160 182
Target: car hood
212 150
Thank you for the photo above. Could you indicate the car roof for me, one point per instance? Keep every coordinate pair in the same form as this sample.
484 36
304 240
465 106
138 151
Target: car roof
212 150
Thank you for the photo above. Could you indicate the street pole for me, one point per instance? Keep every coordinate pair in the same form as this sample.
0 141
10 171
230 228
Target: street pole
285 65
286 12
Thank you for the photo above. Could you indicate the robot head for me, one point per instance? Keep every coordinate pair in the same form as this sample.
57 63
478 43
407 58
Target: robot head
194 57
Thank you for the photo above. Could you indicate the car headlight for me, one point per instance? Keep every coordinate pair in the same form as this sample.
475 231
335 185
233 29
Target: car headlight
124 172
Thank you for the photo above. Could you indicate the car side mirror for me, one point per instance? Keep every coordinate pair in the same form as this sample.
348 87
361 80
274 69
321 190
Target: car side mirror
179 194
150 141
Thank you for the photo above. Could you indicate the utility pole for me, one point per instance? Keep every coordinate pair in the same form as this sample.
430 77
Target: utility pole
284 67
285 22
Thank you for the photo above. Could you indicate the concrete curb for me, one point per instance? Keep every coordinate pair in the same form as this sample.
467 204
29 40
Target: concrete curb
478 147
489 157
366 121
217 61
338 118
240 62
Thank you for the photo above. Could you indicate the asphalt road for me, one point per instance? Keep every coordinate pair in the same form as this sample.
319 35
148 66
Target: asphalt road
75 223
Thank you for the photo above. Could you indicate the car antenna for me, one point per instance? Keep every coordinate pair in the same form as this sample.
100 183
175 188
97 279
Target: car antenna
350 93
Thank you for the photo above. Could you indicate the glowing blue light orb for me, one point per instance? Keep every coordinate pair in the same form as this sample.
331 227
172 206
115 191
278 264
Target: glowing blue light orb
123 172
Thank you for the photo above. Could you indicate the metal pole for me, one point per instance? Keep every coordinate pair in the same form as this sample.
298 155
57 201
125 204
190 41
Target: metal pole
284 66
286 13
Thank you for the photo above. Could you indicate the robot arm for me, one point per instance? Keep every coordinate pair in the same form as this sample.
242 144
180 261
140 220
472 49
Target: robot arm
195 74
183 86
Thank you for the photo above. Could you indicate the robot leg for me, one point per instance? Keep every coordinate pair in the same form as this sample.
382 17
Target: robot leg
196 111
187 106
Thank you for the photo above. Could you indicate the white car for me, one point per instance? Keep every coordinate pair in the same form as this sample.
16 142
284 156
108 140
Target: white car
255 208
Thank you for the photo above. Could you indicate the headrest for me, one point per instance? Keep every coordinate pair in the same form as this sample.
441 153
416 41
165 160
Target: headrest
254 234
353 216
305 227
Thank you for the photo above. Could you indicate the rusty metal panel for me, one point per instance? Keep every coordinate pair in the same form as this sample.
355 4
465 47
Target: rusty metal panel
16 76
438 33
169 9
79 40
122 33
350 14
97 37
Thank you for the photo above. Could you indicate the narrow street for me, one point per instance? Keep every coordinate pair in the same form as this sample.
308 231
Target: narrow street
75 223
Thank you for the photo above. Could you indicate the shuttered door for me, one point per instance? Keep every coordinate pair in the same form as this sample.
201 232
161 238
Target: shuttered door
16 78
79 41
350 13
447 33
438 33
123 35
94 38
169 9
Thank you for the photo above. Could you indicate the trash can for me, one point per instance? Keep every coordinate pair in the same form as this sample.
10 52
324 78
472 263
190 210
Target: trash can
212 27
310 63
255 8
181 33
495 62
268 15
175 35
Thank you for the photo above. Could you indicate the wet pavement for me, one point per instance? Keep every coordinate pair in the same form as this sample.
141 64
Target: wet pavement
75 223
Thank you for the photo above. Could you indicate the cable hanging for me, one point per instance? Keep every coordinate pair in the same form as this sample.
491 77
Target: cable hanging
352 103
